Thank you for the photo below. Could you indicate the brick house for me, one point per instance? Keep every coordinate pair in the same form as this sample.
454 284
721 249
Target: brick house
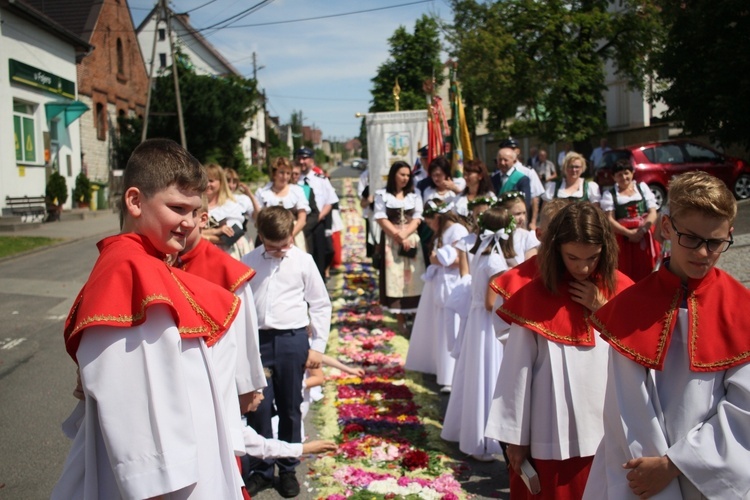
112 79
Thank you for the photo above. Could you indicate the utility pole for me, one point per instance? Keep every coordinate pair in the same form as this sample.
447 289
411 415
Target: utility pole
265 113
163 14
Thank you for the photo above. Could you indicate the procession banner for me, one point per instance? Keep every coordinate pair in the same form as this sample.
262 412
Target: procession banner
391 137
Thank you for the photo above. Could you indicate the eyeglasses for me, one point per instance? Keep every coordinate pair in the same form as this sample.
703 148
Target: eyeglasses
694 242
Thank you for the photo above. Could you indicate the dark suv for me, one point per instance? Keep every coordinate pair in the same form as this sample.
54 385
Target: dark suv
656 162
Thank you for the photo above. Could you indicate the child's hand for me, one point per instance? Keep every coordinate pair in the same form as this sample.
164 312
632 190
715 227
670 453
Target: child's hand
357 372
587 294
318 446
516 455
78 391
314 359
649 475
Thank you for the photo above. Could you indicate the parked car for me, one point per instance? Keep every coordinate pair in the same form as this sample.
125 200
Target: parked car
655 163
359 163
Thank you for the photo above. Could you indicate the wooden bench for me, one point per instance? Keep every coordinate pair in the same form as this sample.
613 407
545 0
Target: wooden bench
27 206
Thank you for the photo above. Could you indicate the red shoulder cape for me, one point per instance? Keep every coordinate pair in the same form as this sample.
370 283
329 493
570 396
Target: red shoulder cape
639 322
554 316
513 279
216 266
130 276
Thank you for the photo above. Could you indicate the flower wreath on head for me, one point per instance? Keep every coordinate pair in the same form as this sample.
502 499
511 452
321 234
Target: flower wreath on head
480 200
510 195
432 208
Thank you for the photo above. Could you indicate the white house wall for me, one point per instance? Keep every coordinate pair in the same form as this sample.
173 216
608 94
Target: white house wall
27 43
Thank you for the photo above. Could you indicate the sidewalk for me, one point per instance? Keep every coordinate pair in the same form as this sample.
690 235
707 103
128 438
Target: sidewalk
104 223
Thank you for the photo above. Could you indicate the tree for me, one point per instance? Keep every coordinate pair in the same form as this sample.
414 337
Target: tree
540 64
217 112
704 68
413 59
276 148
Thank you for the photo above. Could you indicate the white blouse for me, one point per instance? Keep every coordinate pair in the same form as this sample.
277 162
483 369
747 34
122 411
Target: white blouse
295 199
593 191
608 204
384 199
461 203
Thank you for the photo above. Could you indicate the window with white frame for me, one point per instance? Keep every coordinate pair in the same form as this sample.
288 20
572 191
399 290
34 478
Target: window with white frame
25 132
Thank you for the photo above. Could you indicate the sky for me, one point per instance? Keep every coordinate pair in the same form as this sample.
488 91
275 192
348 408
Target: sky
322 67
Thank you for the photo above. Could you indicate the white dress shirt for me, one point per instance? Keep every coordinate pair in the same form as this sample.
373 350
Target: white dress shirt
322 187
286 290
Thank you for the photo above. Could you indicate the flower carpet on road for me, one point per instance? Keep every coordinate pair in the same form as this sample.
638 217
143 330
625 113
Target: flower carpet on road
385 424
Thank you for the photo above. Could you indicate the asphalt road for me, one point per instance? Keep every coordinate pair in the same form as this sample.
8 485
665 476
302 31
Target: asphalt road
37 376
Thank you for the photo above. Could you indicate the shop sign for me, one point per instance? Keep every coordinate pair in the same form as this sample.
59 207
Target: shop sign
35 77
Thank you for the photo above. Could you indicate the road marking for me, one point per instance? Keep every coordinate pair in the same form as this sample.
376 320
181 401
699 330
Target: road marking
58 317
10 343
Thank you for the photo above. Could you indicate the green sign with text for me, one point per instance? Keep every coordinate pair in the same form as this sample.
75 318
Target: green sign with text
35 77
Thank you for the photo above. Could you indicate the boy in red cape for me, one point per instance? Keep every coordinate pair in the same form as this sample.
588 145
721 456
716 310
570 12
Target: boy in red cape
152 421
677 408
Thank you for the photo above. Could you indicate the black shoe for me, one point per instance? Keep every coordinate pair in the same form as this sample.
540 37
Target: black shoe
256 483
288 485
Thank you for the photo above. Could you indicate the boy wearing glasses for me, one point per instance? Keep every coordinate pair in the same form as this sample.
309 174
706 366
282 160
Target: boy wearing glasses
677 408
289 295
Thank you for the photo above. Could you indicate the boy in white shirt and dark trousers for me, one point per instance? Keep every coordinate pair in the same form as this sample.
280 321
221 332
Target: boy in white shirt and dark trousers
289 295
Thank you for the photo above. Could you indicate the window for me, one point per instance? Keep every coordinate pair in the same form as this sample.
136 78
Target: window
162 60
101 122
667 153
120 58
162 34
24 131
700 154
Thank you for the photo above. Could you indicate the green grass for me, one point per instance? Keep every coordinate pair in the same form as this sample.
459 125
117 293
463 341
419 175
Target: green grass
11 245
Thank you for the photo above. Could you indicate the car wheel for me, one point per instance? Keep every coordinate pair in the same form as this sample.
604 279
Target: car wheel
742 187
659 193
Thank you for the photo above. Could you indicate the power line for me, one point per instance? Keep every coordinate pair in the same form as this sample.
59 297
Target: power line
199 7
323 17
239 15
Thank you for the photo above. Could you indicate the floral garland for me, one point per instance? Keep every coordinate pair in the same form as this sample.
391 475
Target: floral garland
379 422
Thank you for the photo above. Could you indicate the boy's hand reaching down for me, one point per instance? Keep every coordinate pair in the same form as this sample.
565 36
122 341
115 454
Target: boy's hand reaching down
319 446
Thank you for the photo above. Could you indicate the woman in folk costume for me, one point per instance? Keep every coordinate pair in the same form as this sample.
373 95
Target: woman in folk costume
677 406
480 354
548 402
281 191
444 260
225 214
398 211
631 207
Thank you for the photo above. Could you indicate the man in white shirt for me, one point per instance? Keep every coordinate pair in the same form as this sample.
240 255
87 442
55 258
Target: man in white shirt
598 153
319 245
290 296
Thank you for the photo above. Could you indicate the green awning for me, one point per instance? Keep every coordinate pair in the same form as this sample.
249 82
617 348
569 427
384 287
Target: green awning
72 110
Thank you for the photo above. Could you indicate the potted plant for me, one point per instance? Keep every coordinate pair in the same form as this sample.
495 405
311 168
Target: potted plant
57 195
82 191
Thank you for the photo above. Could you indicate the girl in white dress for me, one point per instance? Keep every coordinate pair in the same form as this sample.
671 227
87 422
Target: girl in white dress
481 354
448 231
280 191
